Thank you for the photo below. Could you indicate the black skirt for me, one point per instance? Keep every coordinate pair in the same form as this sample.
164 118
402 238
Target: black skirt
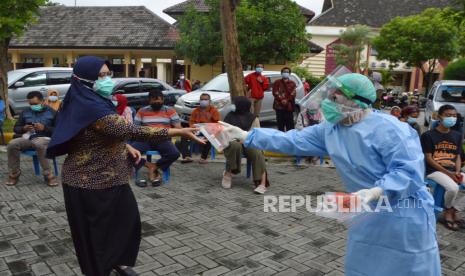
105 227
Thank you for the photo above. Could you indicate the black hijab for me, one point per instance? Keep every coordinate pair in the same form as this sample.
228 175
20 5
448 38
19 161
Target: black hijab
242 117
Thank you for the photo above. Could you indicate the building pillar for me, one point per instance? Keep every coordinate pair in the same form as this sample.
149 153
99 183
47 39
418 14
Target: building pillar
48 61
153 67
69 59
161 71
127 61
138 66
173 69
14 59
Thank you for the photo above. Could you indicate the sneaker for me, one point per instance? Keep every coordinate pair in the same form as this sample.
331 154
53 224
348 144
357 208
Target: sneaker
186 160
141 183
226 182
260 190
203 161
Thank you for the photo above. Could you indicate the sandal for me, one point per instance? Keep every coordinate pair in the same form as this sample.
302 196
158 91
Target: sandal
13 179
156 181
451 225
186 160
51 180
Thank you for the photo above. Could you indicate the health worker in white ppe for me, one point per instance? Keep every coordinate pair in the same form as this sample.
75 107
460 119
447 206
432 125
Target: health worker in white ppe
375 155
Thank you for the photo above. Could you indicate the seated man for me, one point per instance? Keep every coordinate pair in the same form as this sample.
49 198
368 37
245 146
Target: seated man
32 130
158 115
205 113
442 147
246 120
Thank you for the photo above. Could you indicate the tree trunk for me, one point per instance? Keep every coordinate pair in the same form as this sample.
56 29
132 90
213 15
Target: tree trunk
3 74
231 50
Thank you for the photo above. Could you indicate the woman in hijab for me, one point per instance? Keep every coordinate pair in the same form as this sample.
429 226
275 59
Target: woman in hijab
53 100
244 119
410 115
101 208
122 108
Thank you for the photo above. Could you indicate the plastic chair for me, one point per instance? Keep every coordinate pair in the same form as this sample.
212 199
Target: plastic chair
194 147
249 168
438 195
166 173
35 161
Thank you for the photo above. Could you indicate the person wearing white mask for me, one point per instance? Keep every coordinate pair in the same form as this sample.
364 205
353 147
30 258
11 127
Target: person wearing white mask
205 113
53 100
256 85
184 83
284 92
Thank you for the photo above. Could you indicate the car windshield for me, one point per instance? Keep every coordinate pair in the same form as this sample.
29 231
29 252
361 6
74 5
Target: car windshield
218 84
451 93
14 76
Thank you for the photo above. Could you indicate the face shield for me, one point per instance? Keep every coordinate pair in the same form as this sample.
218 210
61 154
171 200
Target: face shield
335 98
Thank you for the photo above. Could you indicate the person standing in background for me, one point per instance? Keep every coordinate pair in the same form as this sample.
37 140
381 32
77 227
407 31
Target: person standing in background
256 84
184 83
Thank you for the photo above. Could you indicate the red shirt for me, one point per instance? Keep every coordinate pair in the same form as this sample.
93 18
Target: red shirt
257 88
306 87
284 95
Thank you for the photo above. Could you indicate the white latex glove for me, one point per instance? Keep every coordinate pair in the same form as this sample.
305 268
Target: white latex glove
234 132
367 195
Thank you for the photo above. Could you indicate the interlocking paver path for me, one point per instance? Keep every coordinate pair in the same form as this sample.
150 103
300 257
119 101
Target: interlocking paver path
193 226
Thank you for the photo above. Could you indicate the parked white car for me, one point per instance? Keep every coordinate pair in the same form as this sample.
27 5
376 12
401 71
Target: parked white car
42 79
445 92
218 88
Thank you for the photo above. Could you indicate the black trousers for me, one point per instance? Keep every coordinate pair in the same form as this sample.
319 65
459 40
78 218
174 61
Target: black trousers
185 152
285 120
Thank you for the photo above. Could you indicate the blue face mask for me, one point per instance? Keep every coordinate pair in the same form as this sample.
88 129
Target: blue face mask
411 120
53 98
259 70
331 111
36 107
233 108
285 75
104 87
449 121
115 103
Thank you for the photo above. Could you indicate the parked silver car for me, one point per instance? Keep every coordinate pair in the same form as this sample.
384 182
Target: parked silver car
445 92
43 79
218 88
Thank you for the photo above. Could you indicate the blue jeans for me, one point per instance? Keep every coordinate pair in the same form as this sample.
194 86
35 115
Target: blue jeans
168 151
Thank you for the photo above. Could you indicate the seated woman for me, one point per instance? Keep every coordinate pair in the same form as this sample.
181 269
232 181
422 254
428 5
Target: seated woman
122 108
53 100
244 119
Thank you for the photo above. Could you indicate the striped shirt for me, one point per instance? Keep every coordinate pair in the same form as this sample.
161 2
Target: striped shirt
166 117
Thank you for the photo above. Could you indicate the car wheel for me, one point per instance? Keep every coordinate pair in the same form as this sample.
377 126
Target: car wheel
426 123
12 111
296 113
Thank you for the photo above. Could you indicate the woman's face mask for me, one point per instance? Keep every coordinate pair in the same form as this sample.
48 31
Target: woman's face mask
104 87
53 98
411 120
115 103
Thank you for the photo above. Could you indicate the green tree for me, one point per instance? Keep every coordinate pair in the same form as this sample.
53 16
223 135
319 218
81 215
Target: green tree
418 40
303 72
268 30
353 41
386 77
455 70
15 17
456 14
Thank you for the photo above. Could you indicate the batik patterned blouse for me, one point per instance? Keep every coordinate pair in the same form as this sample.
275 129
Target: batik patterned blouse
98 158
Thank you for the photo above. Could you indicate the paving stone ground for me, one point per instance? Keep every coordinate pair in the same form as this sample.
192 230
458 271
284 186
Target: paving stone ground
194 227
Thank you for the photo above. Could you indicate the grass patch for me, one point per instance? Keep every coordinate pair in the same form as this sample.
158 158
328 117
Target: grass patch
8 125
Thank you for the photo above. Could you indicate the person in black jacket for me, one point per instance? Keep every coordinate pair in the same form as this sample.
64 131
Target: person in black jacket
32 130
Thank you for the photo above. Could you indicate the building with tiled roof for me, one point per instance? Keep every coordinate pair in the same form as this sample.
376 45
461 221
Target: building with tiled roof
337 15
124 35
